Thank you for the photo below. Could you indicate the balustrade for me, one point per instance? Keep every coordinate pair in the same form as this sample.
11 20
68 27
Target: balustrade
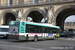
28 2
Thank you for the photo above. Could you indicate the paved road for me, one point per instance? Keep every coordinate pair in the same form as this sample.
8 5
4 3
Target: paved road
58 44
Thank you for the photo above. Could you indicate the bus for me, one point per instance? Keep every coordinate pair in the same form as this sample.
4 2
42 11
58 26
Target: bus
20 30
4 31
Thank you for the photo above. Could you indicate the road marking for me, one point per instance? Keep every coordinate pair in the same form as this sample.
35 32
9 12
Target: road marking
67 38
70 39
20 47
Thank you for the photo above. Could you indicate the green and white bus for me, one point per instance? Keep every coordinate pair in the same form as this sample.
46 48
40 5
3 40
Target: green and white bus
20 30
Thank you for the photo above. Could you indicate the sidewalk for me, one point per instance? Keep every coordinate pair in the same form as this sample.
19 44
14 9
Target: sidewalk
70 36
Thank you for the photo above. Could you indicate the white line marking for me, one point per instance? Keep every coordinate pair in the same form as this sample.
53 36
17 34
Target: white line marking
20 47
68 38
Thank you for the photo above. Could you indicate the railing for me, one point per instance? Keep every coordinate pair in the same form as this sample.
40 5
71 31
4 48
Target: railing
6 3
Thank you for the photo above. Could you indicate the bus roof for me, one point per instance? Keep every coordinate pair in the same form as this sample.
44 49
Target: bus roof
39 24
42 24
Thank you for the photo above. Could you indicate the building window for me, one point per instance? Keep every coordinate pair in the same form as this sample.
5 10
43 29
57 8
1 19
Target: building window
36 1
15 2
4 2
21 2
40 0
11 1
30 1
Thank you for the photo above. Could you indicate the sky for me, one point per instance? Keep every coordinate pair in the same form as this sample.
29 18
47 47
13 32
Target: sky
70 18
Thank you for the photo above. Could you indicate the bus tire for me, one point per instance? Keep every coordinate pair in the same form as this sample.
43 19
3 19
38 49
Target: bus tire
35 39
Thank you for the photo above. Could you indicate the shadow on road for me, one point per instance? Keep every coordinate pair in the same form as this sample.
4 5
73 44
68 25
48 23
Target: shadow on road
31 40
70 36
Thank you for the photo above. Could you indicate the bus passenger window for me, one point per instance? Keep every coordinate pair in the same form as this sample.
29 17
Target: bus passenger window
29 29
39 29
53 30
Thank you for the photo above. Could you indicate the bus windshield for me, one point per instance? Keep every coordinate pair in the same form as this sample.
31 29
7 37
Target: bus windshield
4 29
13 29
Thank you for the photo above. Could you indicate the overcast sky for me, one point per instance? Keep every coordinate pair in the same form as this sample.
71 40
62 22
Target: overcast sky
70 18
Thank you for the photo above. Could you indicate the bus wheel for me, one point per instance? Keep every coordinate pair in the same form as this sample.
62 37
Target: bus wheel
35 38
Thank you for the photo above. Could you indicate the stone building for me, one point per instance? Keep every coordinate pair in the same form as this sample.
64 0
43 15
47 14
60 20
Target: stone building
53 11
68 25
18 2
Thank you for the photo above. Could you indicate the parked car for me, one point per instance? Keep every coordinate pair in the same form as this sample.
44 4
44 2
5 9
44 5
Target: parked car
71 31
63 33
4 31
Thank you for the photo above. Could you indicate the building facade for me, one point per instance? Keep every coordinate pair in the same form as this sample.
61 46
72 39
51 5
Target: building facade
68 25
53 11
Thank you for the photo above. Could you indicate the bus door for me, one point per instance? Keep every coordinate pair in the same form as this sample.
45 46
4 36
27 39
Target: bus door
43 32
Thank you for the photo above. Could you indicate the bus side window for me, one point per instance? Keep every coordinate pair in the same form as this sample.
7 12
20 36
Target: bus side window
53 30
58 30
32 28
29 28
43 29
35 29
39 29
47 30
